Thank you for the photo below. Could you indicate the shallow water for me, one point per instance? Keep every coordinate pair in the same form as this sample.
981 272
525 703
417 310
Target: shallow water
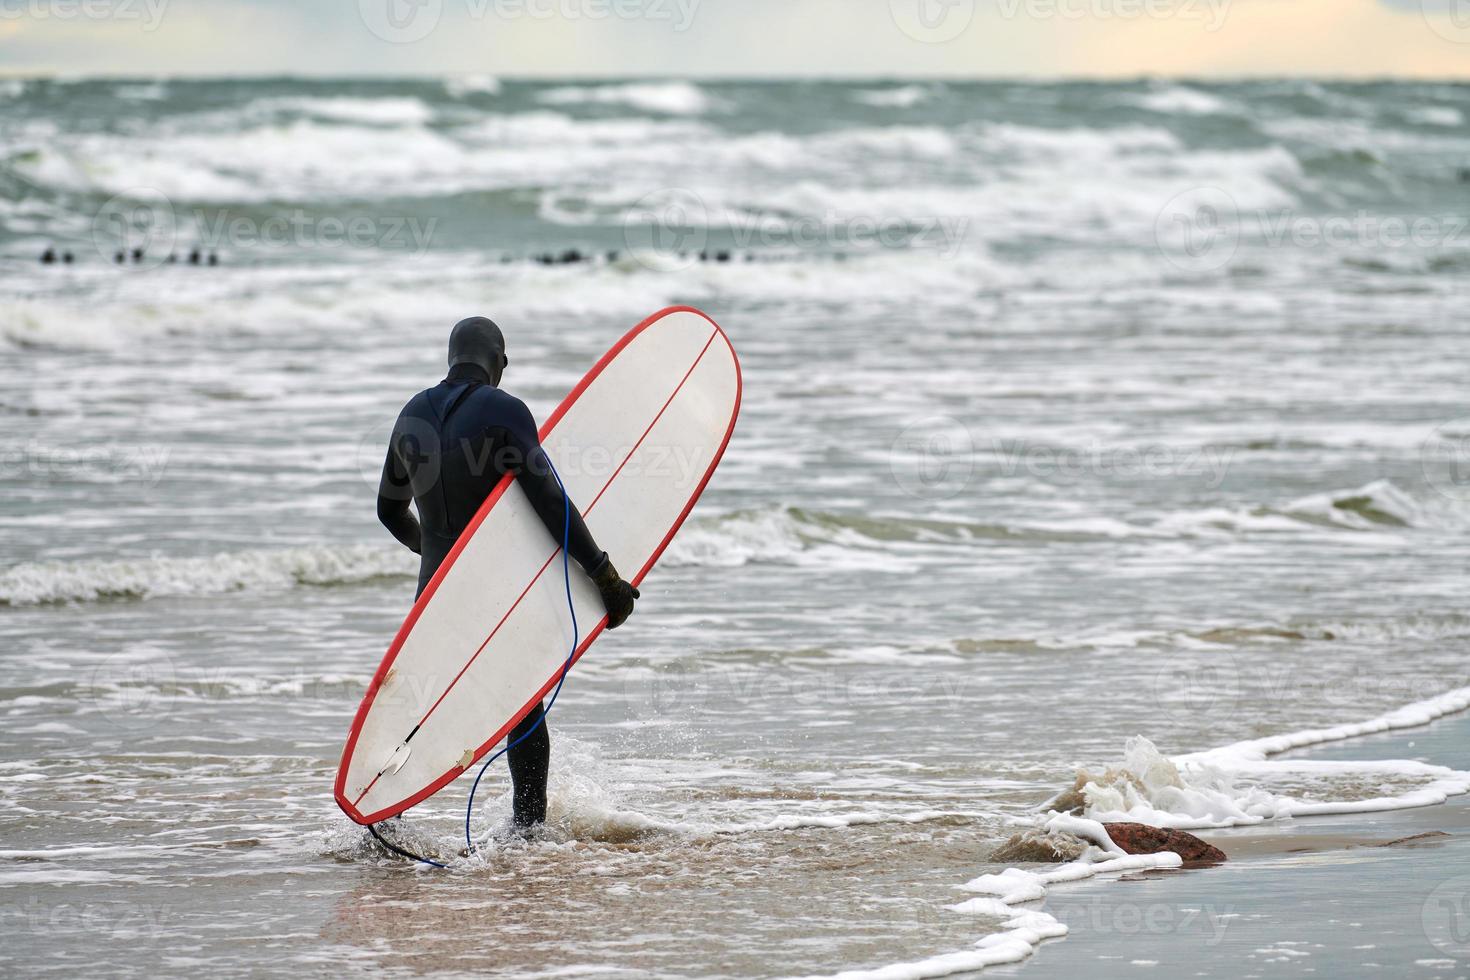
995 503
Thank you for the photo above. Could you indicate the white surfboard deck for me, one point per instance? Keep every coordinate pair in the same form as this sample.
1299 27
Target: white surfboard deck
635 443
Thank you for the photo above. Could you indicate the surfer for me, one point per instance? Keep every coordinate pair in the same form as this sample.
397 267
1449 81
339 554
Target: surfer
450 446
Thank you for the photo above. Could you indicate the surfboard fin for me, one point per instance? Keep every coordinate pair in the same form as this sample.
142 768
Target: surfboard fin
397 759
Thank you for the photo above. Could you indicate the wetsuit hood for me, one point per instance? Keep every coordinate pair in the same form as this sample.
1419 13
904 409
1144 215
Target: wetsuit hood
477 340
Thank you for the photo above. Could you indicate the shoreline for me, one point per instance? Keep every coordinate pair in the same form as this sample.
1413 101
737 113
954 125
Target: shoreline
1380 891
1301 878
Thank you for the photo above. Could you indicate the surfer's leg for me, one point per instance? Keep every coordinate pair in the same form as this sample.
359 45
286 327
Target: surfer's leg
529 763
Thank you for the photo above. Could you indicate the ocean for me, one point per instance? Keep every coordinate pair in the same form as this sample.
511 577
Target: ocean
1085 425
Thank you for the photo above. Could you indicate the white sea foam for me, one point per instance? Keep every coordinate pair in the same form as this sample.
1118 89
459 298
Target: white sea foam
1000 180
30 583
1374 505
394 111
1381 506
460 86
147 92
1435 115
901 97
1180 99
591 820
788 536
672 98
1222 787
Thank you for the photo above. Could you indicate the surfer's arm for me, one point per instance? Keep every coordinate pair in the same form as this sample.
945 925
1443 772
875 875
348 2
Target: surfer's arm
560 515
394 493
546 497
534 474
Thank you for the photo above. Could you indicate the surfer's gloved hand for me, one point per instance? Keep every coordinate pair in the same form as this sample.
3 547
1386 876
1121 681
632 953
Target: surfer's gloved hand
617 595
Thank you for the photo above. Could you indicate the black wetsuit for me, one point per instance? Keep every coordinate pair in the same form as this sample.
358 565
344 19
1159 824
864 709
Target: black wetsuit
450 446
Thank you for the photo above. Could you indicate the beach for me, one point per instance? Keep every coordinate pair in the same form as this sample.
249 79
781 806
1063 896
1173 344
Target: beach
1036 473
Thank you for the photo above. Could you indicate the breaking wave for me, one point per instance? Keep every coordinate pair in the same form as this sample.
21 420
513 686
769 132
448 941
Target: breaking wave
32 583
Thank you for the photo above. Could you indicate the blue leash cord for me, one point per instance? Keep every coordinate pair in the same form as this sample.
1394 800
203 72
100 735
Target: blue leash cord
372 829
566 571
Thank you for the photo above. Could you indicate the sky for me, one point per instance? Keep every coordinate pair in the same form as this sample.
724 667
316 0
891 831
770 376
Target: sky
732 38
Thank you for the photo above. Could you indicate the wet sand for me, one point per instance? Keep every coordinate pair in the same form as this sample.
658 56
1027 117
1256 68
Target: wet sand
1375 894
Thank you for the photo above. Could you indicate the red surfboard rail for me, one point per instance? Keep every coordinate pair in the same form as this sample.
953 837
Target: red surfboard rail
349 806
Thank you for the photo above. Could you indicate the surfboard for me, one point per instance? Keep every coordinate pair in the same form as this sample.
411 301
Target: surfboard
635 444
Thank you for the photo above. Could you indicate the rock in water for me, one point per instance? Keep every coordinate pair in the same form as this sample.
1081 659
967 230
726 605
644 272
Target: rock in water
1137 838
1038 845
